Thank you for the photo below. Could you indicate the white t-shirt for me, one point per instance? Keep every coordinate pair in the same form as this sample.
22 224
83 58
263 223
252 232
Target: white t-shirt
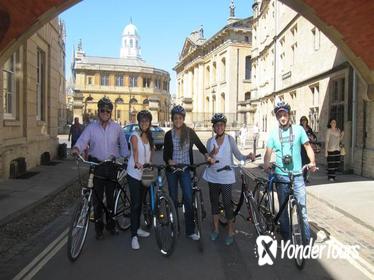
144 156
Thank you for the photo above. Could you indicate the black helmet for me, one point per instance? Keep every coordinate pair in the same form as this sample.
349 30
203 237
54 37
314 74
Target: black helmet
280 105
105 103
144 114
218 117
178 110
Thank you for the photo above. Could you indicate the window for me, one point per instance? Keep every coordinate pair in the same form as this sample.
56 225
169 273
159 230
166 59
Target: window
246 39
214 71
248 67
316 38
40 85
294 30
89 80
158 83
247 96
223 102
294 49
9 87
223 72
165 85
315 95
131 43
119 81
104 80
314 118
133 81
207 75
146 82
337 101
293 116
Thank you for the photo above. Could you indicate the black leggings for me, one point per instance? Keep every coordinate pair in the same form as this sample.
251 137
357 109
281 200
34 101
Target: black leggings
214 192
333 161
137 191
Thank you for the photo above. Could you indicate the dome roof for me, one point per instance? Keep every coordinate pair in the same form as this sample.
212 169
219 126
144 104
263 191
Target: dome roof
130 29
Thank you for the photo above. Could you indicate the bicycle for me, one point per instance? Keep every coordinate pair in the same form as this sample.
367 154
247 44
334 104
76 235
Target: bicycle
254 215
161 209
265 197
84 209
197 199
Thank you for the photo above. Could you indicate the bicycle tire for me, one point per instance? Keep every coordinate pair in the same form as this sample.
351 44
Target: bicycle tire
122 209
263 201
297 231
258 219
198 218
78 228
165 224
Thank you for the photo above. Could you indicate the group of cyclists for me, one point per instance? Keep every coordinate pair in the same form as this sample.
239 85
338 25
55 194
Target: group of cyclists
105 138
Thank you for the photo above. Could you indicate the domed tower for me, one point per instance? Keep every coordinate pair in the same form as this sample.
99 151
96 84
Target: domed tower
130 42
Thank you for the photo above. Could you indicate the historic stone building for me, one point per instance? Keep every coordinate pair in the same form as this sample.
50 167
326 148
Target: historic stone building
294 60
214 75
128 81
32 89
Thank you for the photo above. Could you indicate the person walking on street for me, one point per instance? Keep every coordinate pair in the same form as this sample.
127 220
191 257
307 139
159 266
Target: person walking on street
178 150
222 147
105 139
141 152
332 148
286 141
243 135
312 140
75 131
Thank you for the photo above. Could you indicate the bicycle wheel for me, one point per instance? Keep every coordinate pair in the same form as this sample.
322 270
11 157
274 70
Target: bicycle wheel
165 224
78 228
198 217
297 231
263 200
259 221
122 208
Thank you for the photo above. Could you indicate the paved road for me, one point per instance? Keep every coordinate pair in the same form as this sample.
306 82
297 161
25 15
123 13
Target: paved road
113 258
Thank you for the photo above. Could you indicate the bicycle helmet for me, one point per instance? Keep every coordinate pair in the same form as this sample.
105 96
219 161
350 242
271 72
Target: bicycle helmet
144 114
105 103
218 117
280 105
178 110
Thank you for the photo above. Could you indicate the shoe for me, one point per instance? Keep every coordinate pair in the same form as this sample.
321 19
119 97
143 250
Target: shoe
229 240
142 233
99 235
194 236
331 180
135 243
214 235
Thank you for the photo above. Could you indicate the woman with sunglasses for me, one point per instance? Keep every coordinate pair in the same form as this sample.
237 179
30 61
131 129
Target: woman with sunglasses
141 144
178 150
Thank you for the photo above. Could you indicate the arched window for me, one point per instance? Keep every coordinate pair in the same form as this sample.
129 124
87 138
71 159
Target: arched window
146 101
131 43
247 96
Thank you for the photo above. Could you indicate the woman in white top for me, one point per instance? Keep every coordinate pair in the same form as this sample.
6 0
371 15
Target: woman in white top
222 147
332 148
141 144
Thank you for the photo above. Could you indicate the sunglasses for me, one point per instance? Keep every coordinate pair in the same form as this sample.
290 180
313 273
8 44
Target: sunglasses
105 111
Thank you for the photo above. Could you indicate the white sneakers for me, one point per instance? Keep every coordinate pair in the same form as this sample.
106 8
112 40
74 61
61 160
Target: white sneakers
142 233
194 236
135 242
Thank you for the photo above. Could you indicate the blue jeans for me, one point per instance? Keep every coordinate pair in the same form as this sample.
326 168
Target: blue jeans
185 182
300 194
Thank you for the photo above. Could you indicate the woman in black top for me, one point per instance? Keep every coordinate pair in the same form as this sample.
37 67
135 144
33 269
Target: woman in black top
312 140
178 150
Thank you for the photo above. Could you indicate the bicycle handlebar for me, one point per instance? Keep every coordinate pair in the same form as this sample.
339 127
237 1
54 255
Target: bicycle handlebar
79 157
180 167
241 163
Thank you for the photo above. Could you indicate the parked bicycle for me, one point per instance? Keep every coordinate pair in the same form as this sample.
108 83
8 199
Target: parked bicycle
161 211
197 199
84 207
264 194
246 195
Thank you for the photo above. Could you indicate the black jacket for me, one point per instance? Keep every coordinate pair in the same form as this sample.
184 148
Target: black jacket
194 140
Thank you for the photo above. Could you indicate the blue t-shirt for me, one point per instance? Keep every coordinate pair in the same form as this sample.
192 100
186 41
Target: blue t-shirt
299 139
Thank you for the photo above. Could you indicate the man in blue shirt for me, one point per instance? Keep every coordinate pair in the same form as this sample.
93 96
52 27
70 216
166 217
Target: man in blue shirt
286 142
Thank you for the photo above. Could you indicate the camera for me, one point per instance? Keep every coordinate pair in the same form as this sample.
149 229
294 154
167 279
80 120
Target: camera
287 159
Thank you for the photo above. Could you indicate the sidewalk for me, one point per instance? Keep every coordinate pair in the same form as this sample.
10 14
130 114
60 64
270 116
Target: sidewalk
17 196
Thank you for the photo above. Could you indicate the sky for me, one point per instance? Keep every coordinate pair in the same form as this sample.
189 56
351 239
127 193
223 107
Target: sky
162 25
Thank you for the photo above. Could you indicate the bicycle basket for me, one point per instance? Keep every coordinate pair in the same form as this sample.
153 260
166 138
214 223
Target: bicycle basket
149 176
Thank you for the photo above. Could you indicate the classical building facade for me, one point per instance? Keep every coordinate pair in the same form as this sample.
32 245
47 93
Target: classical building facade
214 75
128 81
32 89
295 61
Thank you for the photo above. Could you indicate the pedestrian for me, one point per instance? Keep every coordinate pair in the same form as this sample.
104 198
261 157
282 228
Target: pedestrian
178 150
105 139
312 140
222 147
75 131
286 140
142 148
332 148
256 134
243 135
